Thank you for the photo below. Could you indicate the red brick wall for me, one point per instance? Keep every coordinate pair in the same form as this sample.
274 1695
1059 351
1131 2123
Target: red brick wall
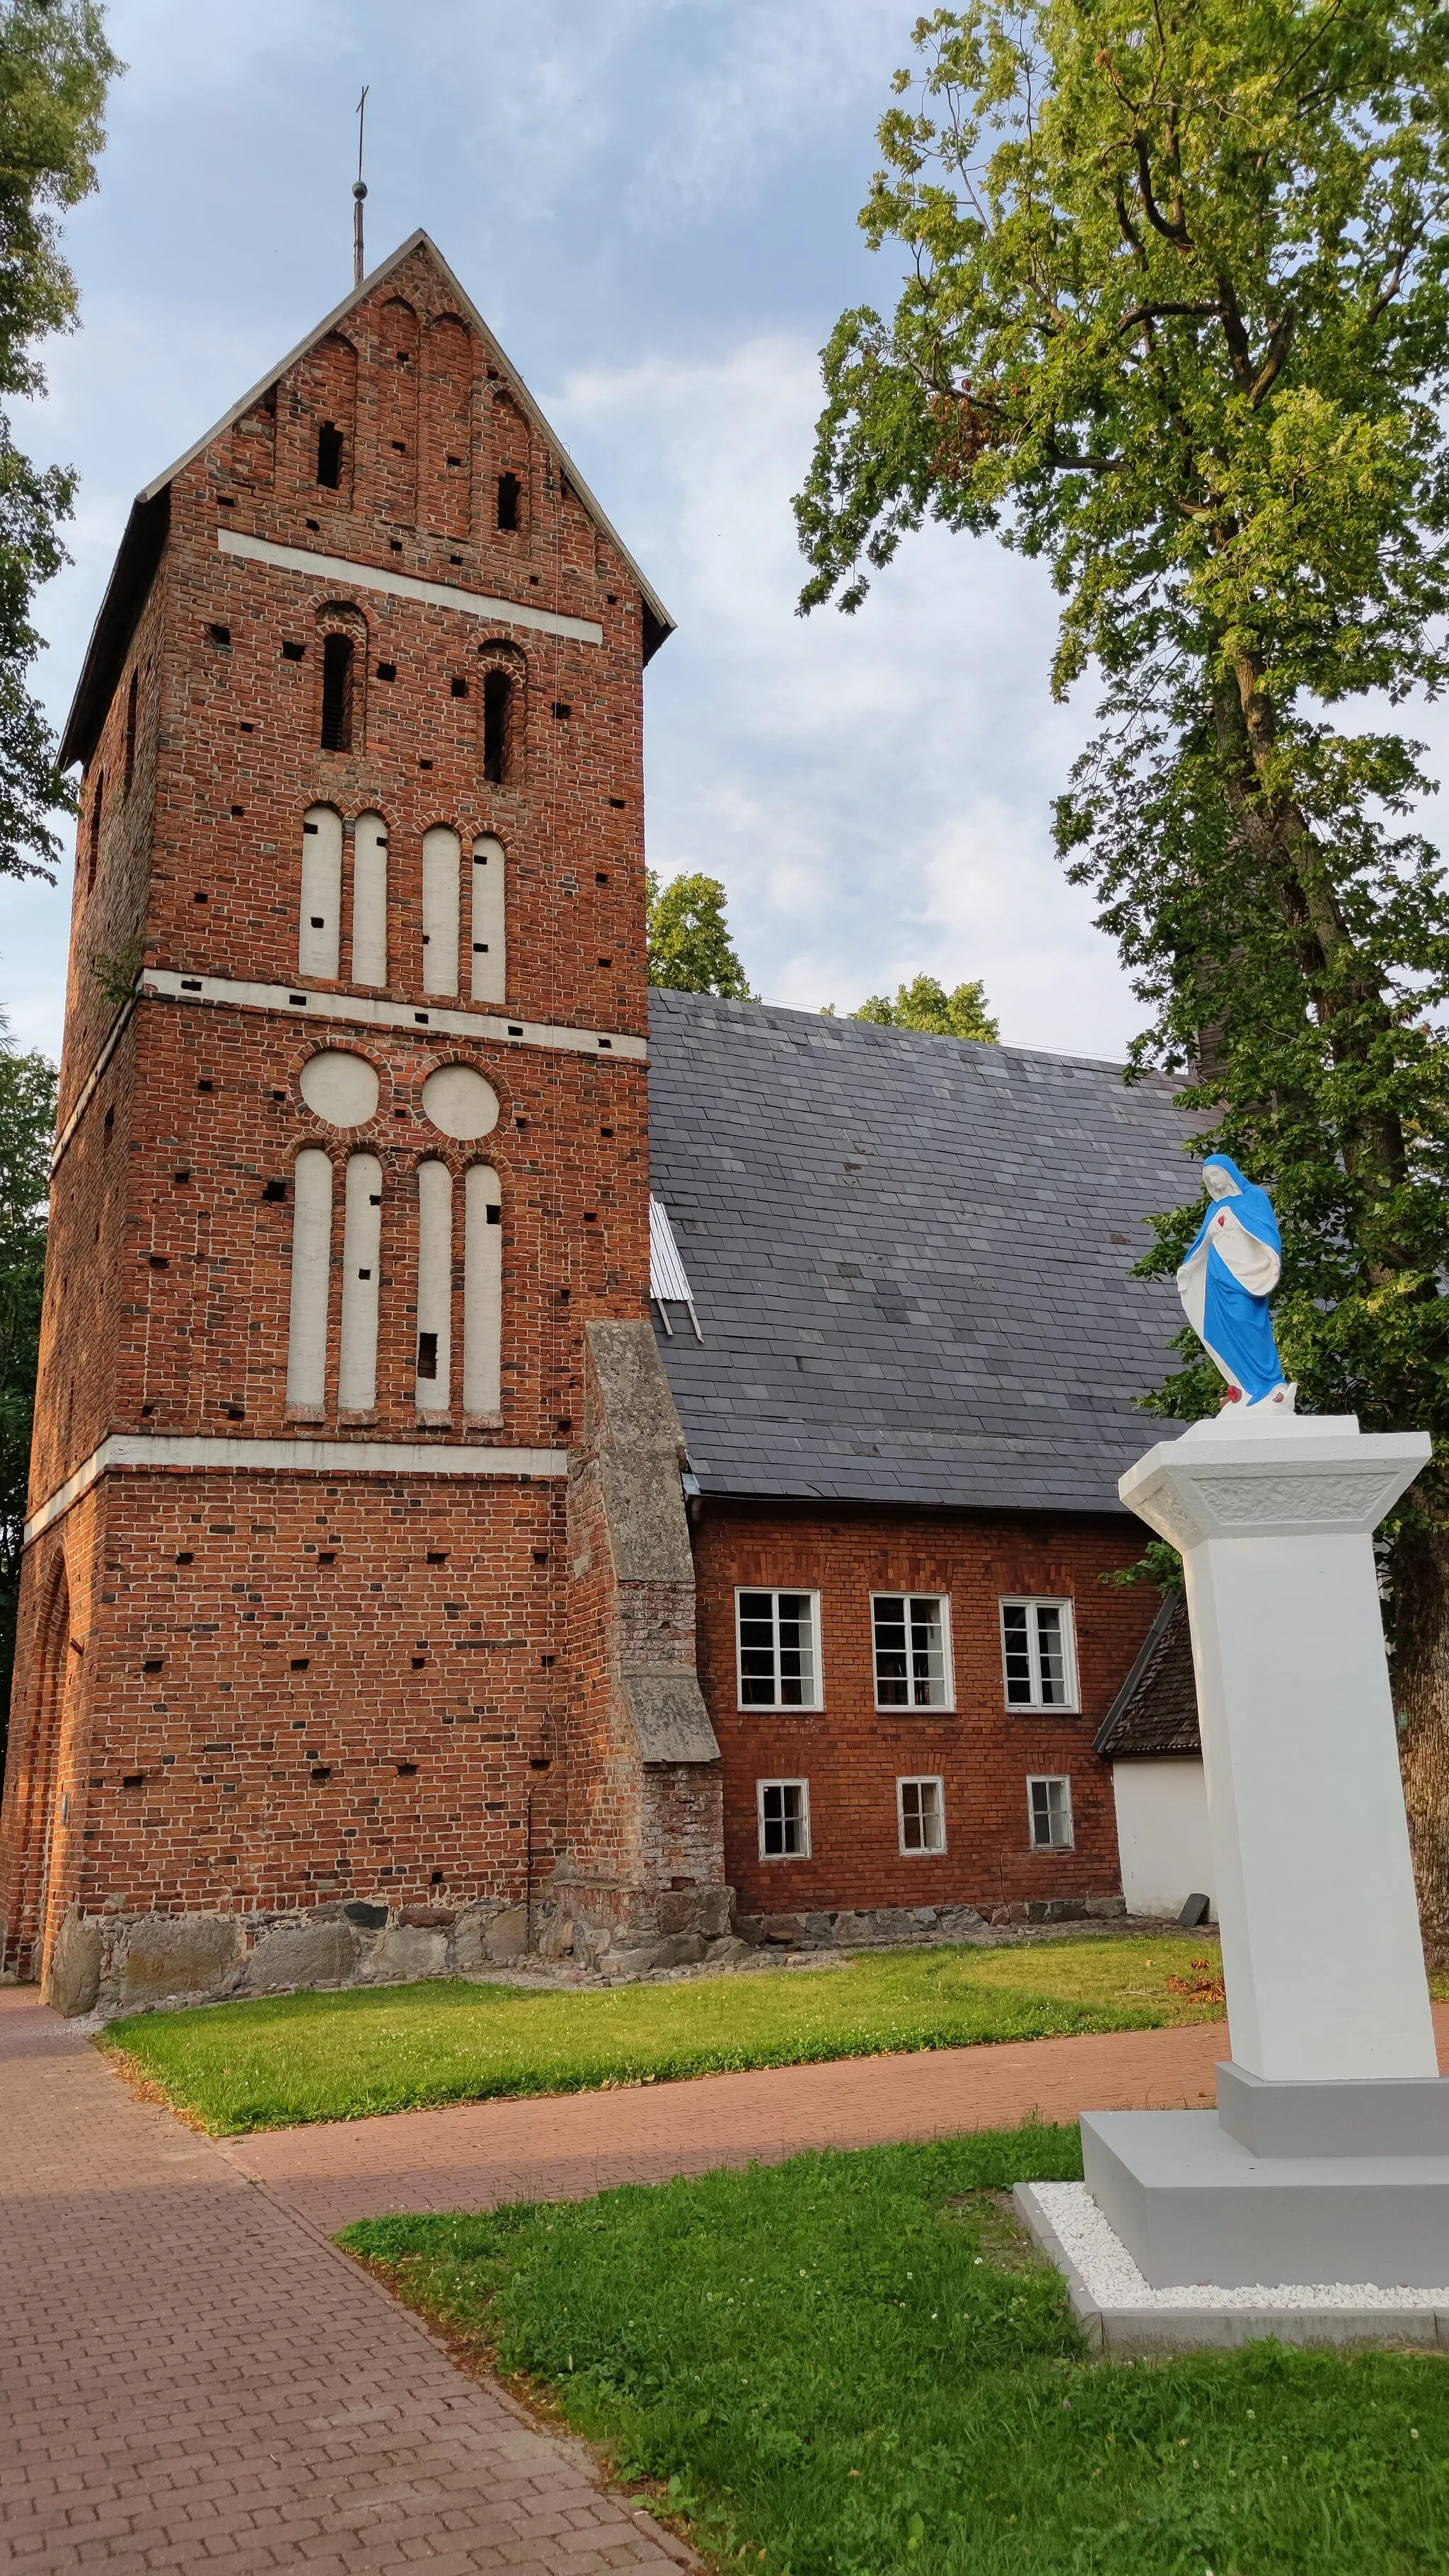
169 1282
853 1755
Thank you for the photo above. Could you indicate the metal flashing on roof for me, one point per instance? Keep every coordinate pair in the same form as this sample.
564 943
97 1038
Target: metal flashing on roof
144 535
668 1278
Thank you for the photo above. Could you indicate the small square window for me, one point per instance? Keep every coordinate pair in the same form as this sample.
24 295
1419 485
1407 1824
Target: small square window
1038 1653
912 1650
784 1809
922 1812
779 1659
1049 1804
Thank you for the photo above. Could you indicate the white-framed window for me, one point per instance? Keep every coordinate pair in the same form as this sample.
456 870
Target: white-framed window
912 1650
784 1811
778 1643
1049 1805
921 1811
1038 1654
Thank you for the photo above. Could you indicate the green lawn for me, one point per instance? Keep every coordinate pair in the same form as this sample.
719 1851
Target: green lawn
851 2365
266 2065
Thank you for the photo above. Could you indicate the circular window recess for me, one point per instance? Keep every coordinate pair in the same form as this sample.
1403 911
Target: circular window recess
459 1101
341 1088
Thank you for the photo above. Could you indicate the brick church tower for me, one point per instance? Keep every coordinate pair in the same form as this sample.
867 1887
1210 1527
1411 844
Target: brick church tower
356 1629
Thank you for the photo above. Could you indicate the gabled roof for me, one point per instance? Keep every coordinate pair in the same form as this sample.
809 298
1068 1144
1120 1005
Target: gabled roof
910 1258
145 533
1155 1711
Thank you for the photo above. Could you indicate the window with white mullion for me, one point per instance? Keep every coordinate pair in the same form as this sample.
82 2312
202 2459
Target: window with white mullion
912 1650
1049 1806
1038 1653
778 1648
921 1806
784 1818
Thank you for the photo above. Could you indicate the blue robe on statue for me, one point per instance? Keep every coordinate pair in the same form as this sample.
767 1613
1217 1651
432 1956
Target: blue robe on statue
1229 1275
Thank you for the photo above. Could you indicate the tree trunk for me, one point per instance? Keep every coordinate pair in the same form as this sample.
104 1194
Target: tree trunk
1421 1701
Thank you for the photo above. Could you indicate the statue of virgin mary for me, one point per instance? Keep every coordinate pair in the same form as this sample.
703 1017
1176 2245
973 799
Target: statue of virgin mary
1226 1281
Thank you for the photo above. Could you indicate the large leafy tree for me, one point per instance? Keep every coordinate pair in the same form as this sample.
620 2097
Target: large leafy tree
1175 318
690 949
55 66
924 1003
27 1127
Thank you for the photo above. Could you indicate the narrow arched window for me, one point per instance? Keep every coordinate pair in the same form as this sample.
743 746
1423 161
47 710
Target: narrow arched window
329 456
338 689
435 1287
482 1291
369 900
442 858
490 954
510 492
311 1278
361 1255
497 726
319 943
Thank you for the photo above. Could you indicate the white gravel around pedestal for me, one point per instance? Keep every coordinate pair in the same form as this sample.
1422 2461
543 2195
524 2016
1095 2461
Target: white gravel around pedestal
1113 2280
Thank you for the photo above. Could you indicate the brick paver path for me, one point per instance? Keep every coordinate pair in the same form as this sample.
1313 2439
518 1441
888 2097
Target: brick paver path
567 2146
191 2378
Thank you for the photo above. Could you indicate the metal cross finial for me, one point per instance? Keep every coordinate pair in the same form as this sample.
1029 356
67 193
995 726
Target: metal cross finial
359 191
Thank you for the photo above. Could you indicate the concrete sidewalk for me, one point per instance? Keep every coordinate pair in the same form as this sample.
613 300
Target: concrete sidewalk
192 2378
569 2145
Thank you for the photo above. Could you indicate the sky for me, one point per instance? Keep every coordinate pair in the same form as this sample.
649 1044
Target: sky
654 203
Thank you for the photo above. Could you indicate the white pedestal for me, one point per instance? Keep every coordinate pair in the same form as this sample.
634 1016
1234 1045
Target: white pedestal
1322 1957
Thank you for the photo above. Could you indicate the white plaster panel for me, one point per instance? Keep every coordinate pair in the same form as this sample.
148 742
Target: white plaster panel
369 900
340 1087
482 1291
435 1280
490 954
459 1102
319 944
361 1257
311 1275
441 861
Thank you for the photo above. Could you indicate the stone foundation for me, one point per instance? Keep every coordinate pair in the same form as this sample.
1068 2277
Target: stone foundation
120 1963
883 1926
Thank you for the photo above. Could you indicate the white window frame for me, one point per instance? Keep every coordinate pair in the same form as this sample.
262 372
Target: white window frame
943 1707
778 1707
1049 1780
920 1780
1070 1705
803 1786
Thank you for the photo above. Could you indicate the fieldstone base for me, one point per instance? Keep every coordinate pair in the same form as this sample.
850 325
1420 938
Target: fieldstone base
877 1926
118 1963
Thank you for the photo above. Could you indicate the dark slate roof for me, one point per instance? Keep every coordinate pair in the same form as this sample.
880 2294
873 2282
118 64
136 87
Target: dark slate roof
1155 1711
910 1258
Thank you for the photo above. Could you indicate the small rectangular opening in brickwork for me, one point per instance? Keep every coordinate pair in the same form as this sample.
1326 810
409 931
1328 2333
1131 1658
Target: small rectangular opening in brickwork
387 670
329 456
293 653
185 1557
337 692
510 492
427 1355
300 1663
220 636
458 687
407 1770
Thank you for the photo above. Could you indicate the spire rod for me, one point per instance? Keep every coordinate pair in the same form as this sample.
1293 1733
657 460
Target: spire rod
359 191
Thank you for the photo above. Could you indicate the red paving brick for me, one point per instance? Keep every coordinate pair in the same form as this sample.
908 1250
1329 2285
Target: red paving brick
569 2145
192 2378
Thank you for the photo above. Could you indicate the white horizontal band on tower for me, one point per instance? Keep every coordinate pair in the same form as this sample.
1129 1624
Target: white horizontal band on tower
173 1451
406 585
172 985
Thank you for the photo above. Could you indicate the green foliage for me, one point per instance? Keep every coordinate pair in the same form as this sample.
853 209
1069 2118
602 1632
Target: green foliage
853 2365
1175 317
55 68
345 2056
27 1130
1158 1563
689 942
925 1004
